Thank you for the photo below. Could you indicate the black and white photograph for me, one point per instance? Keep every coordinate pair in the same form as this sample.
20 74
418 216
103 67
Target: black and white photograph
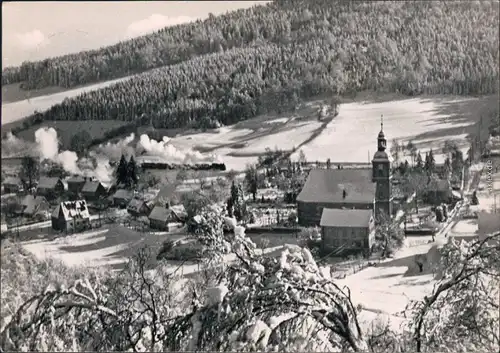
250 176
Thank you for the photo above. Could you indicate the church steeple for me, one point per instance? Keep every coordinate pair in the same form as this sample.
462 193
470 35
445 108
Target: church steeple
381 175
381 141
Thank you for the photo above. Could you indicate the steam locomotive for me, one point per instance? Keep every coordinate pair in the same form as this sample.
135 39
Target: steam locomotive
172 166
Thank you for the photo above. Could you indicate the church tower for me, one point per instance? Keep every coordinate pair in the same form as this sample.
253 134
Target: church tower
381 175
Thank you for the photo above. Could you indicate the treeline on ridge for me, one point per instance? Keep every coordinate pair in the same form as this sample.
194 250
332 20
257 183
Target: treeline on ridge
316 47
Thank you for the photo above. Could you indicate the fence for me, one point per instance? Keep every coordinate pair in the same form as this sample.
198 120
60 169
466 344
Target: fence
276 230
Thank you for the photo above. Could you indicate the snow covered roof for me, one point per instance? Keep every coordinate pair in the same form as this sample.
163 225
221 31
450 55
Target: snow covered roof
72 209
161 213
135 204
123 194
48 183
31 203
90 186
327 185
345 218
76 179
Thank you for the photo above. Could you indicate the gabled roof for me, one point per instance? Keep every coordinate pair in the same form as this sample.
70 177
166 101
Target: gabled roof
31 203
179 211
48 183
72 209
327 185
135 205
345 218
90 186
160 213
76 179
123 194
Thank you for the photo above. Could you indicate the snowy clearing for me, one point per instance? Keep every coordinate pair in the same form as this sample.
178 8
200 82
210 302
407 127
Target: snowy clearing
12 112
349 137
106 247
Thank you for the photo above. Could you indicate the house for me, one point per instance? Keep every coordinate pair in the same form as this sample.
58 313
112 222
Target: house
347 229
93 190
33 206
71 216
50 187
12 185
360 189
161 216
75 184
437 192
137 207
122 197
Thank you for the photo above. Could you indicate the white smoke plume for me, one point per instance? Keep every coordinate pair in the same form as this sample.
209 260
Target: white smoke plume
97 166
114 151
48 147
170 154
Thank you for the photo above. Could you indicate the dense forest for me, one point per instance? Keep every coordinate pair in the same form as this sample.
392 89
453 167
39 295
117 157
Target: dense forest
233 67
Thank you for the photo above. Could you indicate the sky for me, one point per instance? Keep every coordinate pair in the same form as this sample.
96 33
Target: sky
38 30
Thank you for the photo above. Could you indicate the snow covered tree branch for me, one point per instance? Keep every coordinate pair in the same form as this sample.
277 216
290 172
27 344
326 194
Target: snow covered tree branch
263 297
461 314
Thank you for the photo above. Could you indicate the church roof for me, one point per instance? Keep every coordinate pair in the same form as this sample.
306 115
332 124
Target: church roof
327 185
345 218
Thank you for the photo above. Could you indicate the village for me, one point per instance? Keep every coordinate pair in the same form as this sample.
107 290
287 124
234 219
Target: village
337 209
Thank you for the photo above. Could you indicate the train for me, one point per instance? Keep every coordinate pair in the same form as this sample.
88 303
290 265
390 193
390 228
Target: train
173 166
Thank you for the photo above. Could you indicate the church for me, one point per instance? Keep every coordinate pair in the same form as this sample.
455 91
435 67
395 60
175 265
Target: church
347 203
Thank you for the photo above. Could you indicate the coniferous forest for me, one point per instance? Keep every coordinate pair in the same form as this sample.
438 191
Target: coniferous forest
235 66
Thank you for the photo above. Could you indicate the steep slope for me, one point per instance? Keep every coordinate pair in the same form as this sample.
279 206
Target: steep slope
316 47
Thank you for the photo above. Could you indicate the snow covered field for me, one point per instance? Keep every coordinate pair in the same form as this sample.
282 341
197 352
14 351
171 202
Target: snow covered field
17 110
351 136
385 290
111 246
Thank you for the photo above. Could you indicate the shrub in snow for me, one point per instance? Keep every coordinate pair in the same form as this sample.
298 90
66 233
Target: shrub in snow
261 288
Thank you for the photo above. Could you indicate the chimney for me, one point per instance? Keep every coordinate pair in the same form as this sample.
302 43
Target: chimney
344 194
167 204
